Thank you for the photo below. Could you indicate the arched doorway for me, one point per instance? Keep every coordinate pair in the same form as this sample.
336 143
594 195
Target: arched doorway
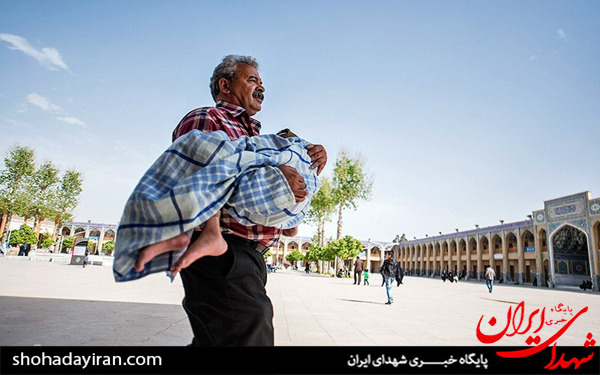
79 233
497 254
473 255
513 256
485 255
570 255
462 245
94 237
445 257
375 258
453 258
529 256
437 259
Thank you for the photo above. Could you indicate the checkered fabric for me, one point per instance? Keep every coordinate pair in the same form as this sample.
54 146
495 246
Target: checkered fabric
200 174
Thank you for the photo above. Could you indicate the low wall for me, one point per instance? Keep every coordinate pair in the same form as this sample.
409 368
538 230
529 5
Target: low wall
95 260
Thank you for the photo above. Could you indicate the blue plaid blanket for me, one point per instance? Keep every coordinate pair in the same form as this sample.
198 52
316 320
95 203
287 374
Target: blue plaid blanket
198 175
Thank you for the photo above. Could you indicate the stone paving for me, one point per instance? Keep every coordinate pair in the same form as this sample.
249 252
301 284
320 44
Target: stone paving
49 303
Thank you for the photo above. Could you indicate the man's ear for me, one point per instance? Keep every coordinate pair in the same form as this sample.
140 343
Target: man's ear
224 86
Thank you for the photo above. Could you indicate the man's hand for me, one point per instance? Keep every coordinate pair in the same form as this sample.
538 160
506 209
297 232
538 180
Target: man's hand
291 232
318 156
296 182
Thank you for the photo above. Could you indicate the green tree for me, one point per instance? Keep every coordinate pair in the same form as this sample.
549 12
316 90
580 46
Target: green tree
68 242
23 235
350 184
108 247
345 248
314 254
43 192
67 198
399 239
322 206
47 240
18 167
294 256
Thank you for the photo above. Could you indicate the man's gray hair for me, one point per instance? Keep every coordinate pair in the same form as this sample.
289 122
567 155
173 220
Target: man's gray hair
228 69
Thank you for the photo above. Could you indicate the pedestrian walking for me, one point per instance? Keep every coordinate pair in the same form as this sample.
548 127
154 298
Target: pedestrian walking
358 270
490 275
388 271
366 276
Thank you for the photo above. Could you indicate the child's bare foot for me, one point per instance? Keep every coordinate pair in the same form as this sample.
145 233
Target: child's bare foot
176 243
210 243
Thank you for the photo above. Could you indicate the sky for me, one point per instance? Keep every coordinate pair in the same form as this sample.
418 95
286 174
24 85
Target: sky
464 112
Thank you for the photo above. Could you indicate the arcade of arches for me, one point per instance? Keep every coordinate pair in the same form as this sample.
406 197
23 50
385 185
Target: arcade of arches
97 233
559 245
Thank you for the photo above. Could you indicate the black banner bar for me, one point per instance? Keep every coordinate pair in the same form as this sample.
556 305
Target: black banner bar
296 360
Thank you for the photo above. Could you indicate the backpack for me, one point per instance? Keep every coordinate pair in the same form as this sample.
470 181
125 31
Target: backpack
389 267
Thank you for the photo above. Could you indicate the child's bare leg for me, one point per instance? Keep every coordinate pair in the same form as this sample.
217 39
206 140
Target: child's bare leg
176 243
210 243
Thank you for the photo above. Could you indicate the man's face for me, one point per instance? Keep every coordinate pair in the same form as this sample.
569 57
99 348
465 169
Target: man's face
247 90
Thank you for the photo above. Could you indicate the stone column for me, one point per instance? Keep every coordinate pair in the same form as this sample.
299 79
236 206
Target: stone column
504 257
285 247
458 258
449 262
538 258
491 251
521 277
469 262
421 260
479 259
102 229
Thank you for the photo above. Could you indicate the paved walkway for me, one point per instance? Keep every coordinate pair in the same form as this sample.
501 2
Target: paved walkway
56 304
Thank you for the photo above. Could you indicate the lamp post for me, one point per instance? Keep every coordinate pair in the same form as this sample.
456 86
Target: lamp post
9 234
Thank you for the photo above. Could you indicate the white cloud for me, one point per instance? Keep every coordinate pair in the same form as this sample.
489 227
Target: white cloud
54 109
562 35
48 56
72 121
43 103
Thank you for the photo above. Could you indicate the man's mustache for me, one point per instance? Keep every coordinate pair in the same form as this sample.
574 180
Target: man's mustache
258 95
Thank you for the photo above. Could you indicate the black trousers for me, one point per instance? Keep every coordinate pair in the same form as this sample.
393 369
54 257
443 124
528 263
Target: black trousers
225 297
357 277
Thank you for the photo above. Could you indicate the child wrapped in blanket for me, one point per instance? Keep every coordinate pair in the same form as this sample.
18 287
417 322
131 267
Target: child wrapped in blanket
182 190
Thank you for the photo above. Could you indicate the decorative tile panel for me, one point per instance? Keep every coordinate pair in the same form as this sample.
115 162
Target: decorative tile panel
595 207
539 216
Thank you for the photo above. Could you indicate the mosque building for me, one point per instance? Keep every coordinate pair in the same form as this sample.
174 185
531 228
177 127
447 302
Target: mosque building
557 245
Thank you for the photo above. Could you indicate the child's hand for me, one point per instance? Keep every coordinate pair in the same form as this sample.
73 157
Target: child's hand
318 156
291 232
